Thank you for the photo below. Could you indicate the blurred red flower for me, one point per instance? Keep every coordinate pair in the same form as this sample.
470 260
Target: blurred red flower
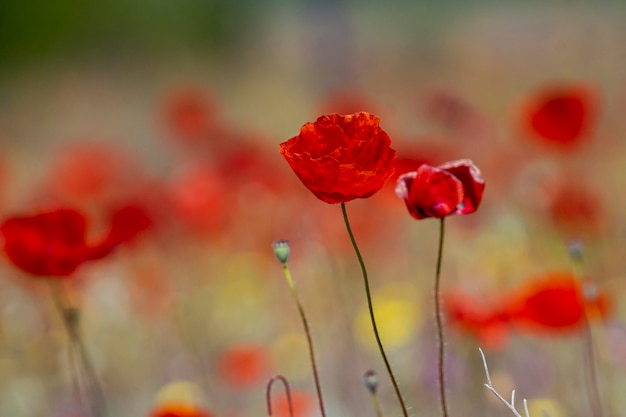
179 410
557 301
53 244
301 401
454 187
575 208
560 114
127 222
243 365
92 172
189 113
197 198
486 321
340 158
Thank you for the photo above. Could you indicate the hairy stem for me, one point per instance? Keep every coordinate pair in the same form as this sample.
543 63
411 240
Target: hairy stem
309 339
439 319
371 311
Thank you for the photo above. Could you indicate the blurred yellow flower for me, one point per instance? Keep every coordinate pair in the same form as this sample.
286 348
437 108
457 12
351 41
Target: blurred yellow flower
545 407
397 318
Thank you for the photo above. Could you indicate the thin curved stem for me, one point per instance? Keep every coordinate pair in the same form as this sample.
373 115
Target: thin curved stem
309 339
371 311
439 319
268 394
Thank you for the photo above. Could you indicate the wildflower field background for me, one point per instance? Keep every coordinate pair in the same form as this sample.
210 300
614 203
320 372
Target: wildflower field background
178 109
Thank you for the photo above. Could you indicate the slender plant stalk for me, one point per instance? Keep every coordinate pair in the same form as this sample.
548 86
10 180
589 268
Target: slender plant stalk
439 319
586 337
309 339
371 311
268 394
376 404
591 380
371 383
71 318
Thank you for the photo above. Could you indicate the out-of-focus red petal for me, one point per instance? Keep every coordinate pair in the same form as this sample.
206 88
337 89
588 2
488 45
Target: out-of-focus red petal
486 321
576 209
86 172
46 244
554 302
244 365
189 113
197 195
127 222
561 114
302 403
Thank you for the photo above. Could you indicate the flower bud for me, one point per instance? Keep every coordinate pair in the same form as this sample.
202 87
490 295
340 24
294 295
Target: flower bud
281 250
576 249
371 381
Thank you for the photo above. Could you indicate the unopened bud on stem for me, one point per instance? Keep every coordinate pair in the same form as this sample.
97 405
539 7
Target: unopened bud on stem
281 250
371 381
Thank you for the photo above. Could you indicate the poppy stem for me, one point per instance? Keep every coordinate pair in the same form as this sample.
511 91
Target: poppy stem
371 311
71 320
268 394
591 380
309 339
576 251
439 319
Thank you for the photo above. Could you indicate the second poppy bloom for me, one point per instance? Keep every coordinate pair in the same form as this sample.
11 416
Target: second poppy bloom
54 243
341 158
455 187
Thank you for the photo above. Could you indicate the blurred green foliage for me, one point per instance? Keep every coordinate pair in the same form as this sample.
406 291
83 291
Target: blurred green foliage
37 30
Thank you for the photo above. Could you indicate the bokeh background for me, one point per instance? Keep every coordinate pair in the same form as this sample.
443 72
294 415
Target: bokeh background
180 106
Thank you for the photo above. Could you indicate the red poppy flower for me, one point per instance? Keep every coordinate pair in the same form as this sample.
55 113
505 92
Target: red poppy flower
340 158
561 114
557 302
455 187
53 244
244 365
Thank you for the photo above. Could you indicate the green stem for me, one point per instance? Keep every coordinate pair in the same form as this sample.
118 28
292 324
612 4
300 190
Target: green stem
371 311
71 319
309 339
439 319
